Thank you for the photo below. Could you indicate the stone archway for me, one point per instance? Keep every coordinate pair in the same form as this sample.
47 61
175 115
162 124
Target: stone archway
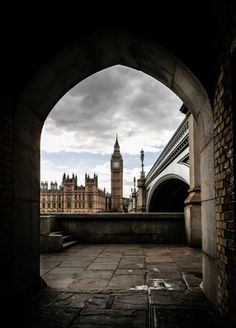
162 201
54 79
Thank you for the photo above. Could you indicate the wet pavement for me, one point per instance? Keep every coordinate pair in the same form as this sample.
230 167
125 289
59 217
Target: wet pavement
125 285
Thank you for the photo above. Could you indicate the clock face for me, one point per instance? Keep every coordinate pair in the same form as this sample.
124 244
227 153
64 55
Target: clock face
116 165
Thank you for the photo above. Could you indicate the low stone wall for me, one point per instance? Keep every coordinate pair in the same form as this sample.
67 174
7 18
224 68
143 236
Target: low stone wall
50 243
48 223
123 228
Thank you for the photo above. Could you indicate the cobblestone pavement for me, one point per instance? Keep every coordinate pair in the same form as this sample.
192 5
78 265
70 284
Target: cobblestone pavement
126 285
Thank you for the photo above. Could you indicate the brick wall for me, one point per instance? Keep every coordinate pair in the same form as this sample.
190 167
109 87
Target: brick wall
224 186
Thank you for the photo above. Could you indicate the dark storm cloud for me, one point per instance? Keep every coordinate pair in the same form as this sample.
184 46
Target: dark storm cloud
116 99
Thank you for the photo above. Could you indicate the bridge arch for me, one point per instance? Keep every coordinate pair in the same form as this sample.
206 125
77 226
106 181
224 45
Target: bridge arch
58 75
160 199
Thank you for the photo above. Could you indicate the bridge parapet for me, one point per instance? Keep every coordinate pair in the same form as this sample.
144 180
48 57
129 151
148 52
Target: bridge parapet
177 144
122 227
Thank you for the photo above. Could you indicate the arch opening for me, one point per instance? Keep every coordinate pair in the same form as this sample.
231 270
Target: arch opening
58 76
169 196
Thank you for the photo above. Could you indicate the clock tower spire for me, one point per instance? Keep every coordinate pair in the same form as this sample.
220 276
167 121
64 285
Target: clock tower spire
117 178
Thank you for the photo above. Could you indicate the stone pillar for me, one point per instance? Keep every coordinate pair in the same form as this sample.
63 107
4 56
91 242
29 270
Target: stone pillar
141 195
141 199
25 234
192 210
134 202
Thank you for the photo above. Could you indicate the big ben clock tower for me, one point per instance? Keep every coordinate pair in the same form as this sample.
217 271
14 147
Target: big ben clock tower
117 179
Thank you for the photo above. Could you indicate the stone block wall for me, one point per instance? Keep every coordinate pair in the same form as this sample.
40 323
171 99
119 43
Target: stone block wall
6 192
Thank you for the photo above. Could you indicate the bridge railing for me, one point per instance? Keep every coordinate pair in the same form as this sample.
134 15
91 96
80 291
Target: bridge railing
177 143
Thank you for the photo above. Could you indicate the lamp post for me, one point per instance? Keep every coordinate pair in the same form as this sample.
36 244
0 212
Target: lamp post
142 173
142 158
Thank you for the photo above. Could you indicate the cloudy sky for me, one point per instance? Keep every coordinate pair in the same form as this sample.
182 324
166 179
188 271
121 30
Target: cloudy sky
79 134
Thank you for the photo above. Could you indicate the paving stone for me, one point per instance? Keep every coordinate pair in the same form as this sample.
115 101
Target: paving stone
112 252
179 297
135 252
152 267
130 271
107 259
111 319
96 274
132 247
189 266
167 267
50 318
131 263
159 259
58 256
109 256
85 284
44 297
99 293
157 252
126 281
103 266
165 275
194 297
49 263
79 300
180 250
183 259
58 280
76 263
92 301
62 300
89 252
131 301
192 279
44 256
133 258
62 270
43 271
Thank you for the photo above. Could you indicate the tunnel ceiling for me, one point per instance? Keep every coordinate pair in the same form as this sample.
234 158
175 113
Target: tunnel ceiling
191 31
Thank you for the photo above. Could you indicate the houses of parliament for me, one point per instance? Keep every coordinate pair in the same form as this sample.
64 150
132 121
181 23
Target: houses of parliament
71 198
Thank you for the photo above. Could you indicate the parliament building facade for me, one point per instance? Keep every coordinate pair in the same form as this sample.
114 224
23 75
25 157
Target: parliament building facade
71 198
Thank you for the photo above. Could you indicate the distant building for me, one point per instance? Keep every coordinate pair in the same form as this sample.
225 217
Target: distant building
117 179
71 198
